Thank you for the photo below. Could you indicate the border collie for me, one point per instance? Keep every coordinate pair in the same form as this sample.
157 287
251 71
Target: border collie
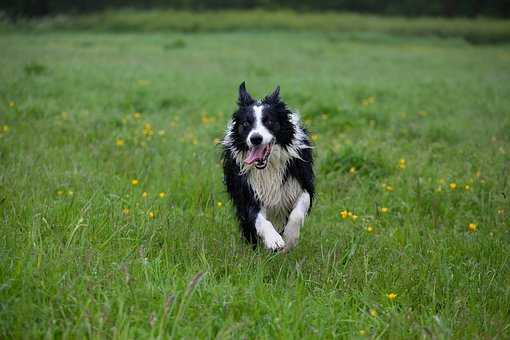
268 170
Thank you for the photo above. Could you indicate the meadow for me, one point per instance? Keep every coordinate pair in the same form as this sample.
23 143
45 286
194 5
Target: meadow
115 222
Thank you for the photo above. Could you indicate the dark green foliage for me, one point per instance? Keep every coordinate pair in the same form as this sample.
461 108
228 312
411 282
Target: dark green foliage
176 44
448 8
34 68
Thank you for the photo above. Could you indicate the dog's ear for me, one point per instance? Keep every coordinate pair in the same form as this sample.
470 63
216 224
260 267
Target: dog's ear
245 99
274 97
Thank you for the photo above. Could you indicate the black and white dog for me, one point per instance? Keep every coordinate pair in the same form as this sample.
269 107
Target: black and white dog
267 165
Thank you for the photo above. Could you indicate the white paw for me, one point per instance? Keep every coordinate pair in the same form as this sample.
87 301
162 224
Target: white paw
273 240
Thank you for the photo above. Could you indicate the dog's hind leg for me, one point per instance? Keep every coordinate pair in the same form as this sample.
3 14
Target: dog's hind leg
296 220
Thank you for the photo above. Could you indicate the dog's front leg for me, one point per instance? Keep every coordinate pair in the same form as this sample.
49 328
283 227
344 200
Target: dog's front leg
265 229
296 220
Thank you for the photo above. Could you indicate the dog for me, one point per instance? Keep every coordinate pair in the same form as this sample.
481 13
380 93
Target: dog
268 170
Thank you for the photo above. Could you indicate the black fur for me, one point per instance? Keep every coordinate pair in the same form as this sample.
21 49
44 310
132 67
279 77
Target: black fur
277 119
247 206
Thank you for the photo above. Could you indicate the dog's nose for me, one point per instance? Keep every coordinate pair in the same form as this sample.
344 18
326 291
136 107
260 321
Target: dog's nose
256 139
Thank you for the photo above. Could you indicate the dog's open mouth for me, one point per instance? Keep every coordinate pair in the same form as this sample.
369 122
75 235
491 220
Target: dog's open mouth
259 155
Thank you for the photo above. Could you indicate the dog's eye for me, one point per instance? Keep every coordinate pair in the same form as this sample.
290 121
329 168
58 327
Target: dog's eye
269 122
246 124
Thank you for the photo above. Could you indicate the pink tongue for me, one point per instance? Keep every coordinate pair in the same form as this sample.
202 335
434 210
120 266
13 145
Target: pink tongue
254 154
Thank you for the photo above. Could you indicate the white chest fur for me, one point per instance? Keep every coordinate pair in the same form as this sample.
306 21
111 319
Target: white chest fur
276 196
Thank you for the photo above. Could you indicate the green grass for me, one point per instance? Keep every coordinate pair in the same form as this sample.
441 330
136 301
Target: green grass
479 31
74 265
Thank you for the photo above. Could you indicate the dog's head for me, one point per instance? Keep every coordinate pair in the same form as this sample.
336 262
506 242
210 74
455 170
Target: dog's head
257 126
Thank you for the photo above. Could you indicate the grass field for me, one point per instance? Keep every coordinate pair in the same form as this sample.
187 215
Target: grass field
412 137
477 31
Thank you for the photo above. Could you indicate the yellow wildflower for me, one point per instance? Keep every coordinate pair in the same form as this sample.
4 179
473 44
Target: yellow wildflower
391 296
453 185
119 142
125 211
315 137
384 210
467 187
386 187
137 115
373 312
472 227
152 215
147 130
219 204
70 193
206 120
6 128
344 214
145 194
352 170
362 332
60 192
402 163
12 103
135 182
162 194
368 101
370 229
500 211
354 217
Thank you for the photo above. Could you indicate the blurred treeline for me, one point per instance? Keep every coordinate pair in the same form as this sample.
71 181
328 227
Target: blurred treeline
413 8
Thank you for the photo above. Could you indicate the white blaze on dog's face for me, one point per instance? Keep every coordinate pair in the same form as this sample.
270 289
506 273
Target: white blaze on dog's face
258 126
259 133
259 140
